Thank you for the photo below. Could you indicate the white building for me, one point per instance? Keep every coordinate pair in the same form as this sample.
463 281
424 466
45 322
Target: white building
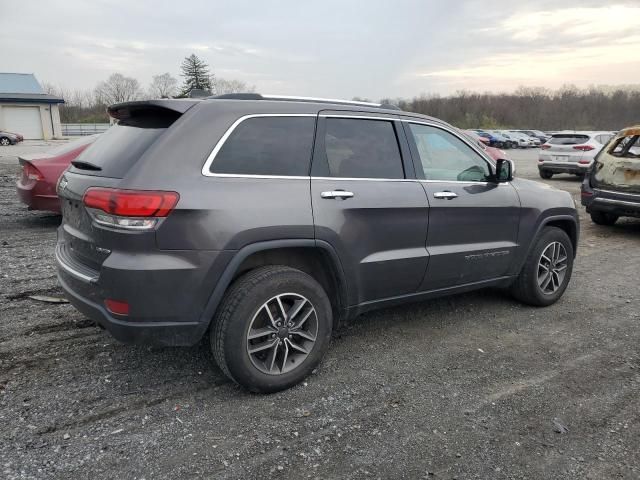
26 109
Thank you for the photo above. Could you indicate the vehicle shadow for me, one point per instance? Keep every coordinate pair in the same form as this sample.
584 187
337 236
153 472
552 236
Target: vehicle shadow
40 221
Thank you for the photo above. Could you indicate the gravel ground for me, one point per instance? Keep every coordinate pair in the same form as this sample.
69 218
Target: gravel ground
471 386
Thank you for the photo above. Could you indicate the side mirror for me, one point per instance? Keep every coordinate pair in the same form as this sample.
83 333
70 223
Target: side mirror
504 170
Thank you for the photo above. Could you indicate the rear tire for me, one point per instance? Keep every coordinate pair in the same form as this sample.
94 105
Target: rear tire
267 304
603 218
4 141
546 174
533 286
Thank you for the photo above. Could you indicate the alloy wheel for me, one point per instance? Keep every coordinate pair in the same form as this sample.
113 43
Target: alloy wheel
282 333
4 142
552 268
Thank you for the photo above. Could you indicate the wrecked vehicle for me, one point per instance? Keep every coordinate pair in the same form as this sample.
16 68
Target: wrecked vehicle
612 188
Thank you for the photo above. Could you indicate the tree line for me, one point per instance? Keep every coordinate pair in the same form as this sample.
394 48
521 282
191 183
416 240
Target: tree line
592 108
89 105
568 108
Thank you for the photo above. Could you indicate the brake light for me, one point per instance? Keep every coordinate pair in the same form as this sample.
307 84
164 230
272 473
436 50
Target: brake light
129 209
131 203
32 173
545 147
584 148
117 306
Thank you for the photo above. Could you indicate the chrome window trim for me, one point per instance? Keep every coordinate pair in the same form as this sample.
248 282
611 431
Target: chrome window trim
206 168
384 117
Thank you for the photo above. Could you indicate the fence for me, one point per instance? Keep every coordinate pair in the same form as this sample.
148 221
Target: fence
80 129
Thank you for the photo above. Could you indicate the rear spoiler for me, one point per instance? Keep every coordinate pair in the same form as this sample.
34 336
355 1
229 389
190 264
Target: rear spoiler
128 110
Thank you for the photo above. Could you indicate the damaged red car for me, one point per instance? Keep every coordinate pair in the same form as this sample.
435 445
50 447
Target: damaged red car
36 185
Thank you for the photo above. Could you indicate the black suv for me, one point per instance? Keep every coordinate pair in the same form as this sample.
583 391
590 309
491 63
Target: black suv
266 220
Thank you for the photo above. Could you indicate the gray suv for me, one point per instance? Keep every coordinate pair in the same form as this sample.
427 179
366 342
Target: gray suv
260 222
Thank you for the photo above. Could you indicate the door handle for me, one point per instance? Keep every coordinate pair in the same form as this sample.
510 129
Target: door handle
337 194
447 195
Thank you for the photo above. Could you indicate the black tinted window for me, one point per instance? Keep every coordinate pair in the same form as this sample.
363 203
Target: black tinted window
118 149
268 146
358 148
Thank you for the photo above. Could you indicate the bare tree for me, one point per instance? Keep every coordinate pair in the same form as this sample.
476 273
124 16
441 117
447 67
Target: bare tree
118 88
163 86
221 86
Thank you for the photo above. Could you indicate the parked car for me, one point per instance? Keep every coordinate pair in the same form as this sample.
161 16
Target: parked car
483 143
8 138
520 139
495 139
611 189
511 142
266 221
535 134
36 185
570 152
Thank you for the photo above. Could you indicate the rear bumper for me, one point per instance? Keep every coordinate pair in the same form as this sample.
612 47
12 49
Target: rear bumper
154 333
166 299
568 167
616 203
29 195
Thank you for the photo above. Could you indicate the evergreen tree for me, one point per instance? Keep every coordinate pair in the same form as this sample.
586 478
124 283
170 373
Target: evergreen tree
196 75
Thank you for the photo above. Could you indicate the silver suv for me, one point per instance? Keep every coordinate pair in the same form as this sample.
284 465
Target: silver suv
265 221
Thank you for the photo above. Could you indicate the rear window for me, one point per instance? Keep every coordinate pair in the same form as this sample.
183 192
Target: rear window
568 139
268 146
119 148
116 150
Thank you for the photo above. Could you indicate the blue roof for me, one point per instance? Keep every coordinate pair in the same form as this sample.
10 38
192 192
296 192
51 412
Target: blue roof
19 83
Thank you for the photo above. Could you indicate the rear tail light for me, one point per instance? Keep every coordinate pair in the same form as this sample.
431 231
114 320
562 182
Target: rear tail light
586 194
129 209
30 172
545 147
117 306
584 148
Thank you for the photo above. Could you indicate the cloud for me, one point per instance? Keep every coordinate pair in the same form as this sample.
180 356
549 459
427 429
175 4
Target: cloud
552 46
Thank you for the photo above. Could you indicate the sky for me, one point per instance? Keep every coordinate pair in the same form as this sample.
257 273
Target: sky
329 48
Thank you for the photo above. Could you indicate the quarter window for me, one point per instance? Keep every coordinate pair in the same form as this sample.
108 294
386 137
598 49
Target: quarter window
268 146
445 157
359 148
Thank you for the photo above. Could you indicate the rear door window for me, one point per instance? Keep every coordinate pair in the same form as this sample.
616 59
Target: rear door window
268 146
362 148
568 139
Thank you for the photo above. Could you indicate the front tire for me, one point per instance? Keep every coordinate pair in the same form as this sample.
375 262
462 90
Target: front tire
4 141
547 269
603 218
272 328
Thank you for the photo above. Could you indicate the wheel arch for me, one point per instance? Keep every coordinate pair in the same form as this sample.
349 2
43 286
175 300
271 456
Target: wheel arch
314 257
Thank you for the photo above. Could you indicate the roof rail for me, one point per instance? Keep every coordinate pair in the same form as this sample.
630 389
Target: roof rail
290 98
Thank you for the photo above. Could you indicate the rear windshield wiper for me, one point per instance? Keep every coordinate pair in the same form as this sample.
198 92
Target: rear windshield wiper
85 166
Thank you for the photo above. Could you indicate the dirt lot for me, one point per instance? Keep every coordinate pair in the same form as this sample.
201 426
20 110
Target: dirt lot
473 386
